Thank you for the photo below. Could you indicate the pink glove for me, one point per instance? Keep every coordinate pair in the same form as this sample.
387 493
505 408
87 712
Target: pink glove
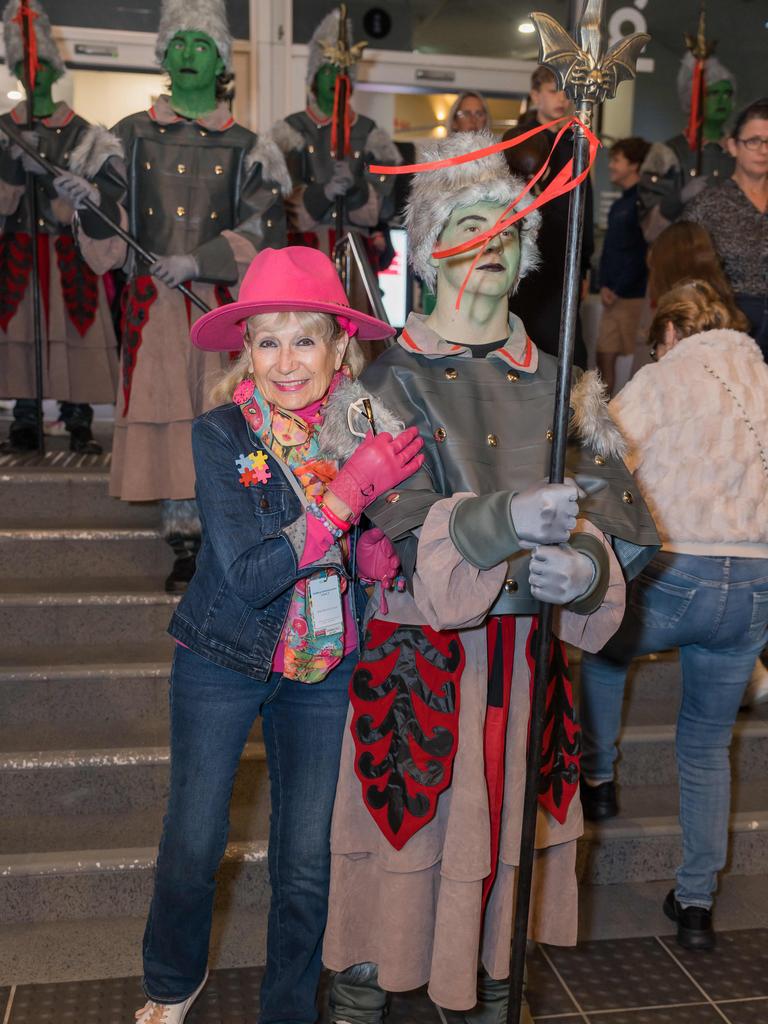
376 557
379 464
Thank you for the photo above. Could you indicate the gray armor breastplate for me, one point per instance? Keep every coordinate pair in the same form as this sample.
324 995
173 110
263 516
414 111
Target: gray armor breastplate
486 428
184 183
56 144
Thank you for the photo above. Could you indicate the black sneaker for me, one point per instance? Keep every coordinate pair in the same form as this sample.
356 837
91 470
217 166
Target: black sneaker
599 802
694 924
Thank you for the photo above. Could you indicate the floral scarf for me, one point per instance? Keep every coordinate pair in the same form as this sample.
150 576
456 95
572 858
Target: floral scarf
293 440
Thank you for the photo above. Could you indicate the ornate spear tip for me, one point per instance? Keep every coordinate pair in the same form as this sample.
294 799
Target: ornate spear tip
587 73
340 52
700 47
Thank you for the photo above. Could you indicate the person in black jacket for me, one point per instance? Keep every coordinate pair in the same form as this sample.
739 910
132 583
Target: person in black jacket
623 266
537 301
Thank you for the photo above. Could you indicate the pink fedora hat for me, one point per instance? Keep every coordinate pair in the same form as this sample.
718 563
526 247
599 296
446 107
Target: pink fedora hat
291 280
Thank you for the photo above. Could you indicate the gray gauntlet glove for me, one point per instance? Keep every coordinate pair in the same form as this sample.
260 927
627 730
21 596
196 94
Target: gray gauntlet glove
173 270
488 529
576 574
75 189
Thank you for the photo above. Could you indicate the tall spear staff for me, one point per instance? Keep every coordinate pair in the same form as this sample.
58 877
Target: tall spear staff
700 49
344 57
589 75
24 18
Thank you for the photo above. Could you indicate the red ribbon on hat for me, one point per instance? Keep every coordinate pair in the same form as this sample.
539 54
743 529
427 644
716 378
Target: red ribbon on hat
341 152
562 183
29 37
697 113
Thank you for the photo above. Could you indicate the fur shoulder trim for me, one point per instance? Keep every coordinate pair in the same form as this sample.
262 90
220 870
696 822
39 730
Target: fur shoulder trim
660 160
96 146
591 422
382 148
286 137
336 439
273 168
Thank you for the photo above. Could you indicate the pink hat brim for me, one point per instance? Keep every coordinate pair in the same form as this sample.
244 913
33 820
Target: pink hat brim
220 330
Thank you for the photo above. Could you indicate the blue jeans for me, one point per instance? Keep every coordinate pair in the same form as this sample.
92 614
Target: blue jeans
212 711
755 308
716 611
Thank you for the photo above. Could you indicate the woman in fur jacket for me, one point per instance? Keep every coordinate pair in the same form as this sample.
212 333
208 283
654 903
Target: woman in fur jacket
697 425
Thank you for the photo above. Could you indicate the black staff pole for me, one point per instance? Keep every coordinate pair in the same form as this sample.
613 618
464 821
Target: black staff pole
32 212
589 75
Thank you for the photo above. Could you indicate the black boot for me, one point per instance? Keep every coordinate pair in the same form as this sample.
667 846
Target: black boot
81 440
185 549
599 802
20 439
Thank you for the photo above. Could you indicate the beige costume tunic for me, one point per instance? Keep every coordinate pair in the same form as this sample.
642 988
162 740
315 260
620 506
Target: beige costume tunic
79 344
418 912
209 188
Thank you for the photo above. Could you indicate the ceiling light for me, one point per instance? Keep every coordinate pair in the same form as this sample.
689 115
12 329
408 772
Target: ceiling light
526 28
14 94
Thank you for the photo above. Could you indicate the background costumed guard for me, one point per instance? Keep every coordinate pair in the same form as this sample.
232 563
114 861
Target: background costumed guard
79 349
675 172
204 194
328 147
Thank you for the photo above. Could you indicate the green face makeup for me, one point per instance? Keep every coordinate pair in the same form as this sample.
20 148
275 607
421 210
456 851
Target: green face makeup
496 270
325 84
718 106
194 64
43 103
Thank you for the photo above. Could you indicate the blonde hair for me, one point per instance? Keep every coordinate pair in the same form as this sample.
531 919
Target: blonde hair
320 326
691 307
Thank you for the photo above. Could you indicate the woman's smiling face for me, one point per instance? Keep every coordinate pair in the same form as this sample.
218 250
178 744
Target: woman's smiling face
292 368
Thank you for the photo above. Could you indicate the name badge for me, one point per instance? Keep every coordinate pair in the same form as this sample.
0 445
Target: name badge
325 613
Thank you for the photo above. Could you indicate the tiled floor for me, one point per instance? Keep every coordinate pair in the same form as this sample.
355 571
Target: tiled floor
625 981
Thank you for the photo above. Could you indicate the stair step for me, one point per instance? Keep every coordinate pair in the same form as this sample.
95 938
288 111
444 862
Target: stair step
647 752
60 833
96 552
80 704
112 780
643 843
96 883
119 612
75 498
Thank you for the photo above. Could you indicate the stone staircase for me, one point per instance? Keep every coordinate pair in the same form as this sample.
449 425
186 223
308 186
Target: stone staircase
83 727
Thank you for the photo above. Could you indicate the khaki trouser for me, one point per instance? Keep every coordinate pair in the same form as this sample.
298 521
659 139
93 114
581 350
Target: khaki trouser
356 998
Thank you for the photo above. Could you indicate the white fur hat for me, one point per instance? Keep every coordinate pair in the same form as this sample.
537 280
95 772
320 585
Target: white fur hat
714 71
435 195
326 34
14 43
209 16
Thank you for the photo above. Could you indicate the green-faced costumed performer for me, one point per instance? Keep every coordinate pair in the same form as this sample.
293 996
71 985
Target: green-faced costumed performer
79 348
426 830
204 194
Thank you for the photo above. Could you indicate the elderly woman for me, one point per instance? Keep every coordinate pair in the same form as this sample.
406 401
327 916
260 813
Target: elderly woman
697 423
736 215
267 627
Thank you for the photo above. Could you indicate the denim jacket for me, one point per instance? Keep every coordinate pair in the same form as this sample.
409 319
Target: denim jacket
252 541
